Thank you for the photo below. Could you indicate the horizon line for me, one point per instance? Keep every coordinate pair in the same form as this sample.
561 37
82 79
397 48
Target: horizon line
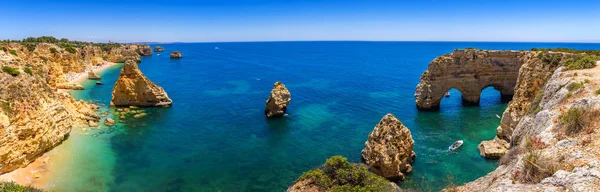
438 41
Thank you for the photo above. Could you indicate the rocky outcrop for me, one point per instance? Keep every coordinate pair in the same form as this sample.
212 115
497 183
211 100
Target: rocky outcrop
134 89
109 122
278 101
70 86
144 50
493 149
469 71
159 49
122 53
389 150
546 153
175 55
93 76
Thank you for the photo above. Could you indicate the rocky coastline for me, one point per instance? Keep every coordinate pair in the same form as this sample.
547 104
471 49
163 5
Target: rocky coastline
35 115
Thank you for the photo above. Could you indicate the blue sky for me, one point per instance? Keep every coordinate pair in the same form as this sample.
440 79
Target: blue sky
283 20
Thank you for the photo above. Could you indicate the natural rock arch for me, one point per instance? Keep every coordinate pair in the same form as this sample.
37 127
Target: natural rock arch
469 71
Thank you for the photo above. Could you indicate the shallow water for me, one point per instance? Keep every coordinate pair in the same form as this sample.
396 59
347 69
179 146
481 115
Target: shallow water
215 136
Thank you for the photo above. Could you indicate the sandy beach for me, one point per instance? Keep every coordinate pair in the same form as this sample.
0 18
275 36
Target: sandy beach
37 173
82 76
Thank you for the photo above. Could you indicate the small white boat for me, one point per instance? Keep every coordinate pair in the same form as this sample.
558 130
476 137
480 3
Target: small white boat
498 116
158 54
455 145
447 94
216 47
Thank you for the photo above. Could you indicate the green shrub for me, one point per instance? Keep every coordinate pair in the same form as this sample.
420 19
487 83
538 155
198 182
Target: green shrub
337 174
550 58
11 71
536 167
581 62
13 187
13 52
70 49
573 87
597 91
105 58
28 71
574 120
586 81
3 48
53 50
44 59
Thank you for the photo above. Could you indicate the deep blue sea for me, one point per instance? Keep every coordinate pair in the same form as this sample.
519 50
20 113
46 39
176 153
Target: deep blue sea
215 136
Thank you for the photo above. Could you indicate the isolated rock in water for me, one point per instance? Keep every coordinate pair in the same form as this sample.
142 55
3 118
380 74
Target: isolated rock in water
134 89
493 149
93 76
109 122
92 124
176 54
389 150
159 49
278 101
70 86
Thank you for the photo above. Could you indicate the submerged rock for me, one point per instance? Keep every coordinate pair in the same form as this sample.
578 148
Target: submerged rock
134 89
109 122
159 49
278 100
176 55
389 149
93 76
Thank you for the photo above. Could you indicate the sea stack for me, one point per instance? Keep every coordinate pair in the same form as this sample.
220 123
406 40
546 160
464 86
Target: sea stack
278 100
176 55
134 89
159 49
389 150
93 76
144 50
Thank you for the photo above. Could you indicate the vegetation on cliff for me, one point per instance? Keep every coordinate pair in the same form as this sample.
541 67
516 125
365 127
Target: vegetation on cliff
337 174
13 187
11 71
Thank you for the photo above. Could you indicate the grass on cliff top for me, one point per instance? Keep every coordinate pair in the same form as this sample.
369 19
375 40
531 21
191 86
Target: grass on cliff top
568 50
11 71
337 174
13 187
537 167
575 120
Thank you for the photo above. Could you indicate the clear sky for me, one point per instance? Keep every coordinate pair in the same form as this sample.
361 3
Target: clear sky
284 20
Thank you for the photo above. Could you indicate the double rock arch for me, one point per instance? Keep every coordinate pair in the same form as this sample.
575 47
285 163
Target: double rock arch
469 71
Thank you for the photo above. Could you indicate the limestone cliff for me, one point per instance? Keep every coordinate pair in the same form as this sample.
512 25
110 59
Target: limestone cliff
278 101
34 116
551 125
134 89
144 50
469 71
389 150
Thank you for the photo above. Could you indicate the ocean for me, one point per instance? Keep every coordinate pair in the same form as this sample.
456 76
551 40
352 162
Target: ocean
215 136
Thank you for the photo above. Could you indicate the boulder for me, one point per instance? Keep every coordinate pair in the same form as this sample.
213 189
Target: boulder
4 121
159 49
92 124
278 101
389 150
70 86
93 76
134 89
176 55
493 149
109 122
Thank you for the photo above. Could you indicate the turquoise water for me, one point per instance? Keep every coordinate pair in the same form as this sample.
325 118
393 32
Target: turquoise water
215 136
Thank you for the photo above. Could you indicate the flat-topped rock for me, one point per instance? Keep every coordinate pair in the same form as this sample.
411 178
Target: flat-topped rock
493 149
134 89
175 55
389 150
278 101
159 49
69 86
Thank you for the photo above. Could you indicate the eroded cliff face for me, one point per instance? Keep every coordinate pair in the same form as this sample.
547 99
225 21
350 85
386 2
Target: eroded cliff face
469 71
34 115
552 127
134 89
